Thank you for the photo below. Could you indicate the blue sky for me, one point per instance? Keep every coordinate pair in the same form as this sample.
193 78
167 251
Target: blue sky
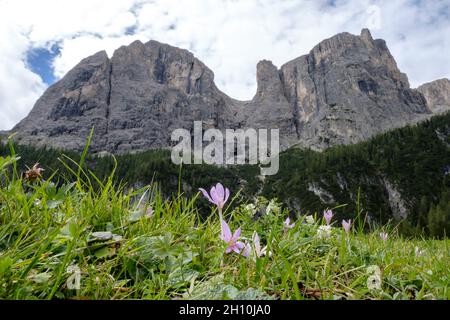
42 40
39 61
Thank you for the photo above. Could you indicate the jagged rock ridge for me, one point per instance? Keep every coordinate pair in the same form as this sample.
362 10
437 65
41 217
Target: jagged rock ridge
347 89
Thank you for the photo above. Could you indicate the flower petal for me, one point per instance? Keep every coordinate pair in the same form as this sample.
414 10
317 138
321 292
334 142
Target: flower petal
214 196
256 241
246 251
236 235
226 232
220 192
328 215
236 249
346 225
240 244
205 193
227 195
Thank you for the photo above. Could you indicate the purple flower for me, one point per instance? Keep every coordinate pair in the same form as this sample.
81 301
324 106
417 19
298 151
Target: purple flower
218 195
328 215
247 250
232 239
347 225
287 224
383 236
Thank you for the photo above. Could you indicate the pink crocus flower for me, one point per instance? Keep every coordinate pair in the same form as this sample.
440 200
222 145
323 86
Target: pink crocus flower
232 239
383 236
287 224
149 212
218 195
347 225
328 215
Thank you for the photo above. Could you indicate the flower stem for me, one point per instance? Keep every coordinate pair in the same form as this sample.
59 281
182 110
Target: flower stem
220 219
220 214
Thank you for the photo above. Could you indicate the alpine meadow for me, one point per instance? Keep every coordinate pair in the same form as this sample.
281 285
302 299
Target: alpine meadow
224 150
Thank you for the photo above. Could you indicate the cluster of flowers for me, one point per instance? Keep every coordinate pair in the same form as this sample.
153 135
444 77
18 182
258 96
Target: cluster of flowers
219 195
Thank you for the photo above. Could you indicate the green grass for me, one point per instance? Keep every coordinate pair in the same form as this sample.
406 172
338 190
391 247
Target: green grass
48 239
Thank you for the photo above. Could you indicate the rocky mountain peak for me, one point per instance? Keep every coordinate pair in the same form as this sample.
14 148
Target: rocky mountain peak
345 90
268 81
163 64
366 36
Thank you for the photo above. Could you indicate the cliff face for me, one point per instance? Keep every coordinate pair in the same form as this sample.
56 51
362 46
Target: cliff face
437 94
66 112
345 90
155 89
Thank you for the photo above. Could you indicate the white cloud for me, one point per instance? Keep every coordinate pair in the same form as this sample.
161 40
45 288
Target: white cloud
19 87
74 50
227 35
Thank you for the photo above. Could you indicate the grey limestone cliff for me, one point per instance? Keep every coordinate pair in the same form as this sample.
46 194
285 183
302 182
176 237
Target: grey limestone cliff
347 89
437 94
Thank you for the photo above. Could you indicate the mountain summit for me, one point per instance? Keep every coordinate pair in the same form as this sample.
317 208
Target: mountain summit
347 89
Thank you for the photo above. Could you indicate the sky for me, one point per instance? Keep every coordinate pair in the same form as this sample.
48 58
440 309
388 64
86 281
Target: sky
41 40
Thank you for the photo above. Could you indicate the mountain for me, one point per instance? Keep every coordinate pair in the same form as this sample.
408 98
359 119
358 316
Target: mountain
437 94
345 90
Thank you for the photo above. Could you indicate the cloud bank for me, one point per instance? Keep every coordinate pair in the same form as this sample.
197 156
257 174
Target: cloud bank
229 36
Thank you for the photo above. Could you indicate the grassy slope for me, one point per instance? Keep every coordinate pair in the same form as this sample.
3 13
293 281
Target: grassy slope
175 254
